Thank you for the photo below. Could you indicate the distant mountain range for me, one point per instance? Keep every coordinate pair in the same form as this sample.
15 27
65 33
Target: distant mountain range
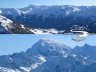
61 18
51 56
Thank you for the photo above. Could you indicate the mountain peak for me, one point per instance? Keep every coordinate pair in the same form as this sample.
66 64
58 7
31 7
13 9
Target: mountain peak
45 43
50 42
86 45
46 40
32 6
48 47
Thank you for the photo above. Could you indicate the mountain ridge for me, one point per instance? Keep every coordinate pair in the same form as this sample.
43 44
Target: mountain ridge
39 58
62 18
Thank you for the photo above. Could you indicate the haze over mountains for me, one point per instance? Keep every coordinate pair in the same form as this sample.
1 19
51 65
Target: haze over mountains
51 56
53 19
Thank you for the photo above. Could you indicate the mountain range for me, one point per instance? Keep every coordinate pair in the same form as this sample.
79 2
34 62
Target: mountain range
51 56
58 18
8 26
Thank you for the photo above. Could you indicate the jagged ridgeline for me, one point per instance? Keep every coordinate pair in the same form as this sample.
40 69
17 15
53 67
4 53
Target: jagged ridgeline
51 56
48 19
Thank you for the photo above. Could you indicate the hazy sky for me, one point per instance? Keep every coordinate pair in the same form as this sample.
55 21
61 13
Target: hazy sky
23 3
16 43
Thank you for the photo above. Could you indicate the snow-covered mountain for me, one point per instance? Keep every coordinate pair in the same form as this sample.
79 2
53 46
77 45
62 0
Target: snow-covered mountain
48 48
59 17
87 51
8 26
54 10
45 56
32 58
57 10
